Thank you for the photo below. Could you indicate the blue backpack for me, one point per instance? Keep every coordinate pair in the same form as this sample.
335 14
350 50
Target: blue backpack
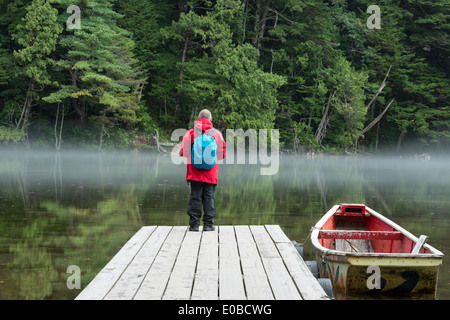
204 149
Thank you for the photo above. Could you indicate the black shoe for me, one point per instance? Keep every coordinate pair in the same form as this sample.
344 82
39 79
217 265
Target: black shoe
209 228
193 228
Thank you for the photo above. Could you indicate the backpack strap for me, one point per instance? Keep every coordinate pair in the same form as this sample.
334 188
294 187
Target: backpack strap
210 132
198 131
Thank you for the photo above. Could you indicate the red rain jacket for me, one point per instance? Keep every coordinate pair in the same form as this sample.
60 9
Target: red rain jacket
193 173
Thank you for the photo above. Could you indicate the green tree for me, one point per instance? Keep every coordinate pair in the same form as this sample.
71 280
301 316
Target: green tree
412 41
37 35
103 74
310 68
11 90
144 19
222 75
347 97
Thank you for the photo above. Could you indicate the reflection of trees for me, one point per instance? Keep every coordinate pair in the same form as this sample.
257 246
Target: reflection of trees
58 211
95 234
62 217
49 244
32 267
244 197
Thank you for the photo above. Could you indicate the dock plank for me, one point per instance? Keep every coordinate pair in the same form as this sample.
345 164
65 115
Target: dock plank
305 281
155 282
131 279
255 278
206 283
230 263
99 287
181 280
280 280
231 285
308 286
277 234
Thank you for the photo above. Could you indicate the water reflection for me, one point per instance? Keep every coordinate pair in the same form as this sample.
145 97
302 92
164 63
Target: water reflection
71 208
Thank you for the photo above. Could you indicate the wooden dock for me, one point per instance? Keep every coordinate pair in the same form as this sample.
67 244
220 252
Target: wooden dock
230 263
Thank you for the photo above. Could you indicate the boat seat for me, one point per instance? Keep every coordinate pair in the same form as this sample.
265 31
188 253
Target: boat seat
352 245
360 234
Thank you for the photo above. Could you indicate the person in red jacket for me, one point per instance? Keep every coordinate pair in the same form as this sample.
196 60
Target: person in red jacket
202 182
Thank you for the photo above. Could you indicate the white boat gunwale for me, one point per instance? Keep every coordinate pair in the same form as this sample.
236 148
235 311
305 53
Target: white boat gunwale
325 251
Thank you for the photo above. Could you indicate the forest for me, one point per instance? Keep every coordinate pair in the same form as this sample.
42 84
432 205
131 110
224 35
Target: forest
332 76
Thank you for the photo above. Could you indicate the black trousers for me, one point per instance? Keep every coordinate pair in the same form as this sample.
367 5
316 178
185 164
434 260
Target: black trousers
202 196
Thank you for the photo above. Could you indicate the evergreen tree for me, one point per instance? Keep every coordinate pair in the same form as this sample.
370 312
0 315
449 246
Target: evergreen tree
37 37
224 76
104 78
11 93
420 88
310 68
144 19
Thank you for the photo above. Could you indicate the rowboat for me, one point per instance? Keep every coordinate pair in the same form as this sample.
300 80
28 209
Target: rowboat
361 251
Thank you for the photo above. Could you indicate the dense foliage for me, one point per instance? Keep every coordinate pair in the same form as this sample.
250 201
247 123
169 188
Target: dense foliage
316 70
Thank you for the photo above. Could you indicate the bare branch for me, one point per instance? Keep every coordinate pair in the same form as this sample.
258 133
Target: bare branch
374 122
383 84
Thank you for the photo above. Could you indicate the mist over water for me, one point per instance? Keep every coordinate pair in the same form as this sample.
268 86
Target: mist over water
79 208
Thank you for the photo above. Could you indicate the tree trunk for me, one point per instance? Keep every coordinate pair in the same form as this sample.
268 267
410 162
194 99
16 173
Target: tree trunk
377 136
260 23
383 84
183 58
79 105
22 124
58 138
257 19
321 130
400 139
244 22
370 126
102 131
80 108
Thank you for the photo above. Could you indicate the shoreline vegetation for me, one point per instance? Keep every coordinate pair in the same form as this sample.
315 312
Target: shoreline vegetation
123 74
167 148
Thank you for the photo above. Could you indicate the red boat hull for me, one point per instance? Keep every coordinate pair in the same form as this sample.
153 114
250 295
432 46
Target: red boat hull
362 251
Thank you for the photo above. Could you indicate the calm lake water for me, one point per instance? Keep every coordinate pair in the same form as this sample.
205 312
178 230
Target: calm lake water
77 208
